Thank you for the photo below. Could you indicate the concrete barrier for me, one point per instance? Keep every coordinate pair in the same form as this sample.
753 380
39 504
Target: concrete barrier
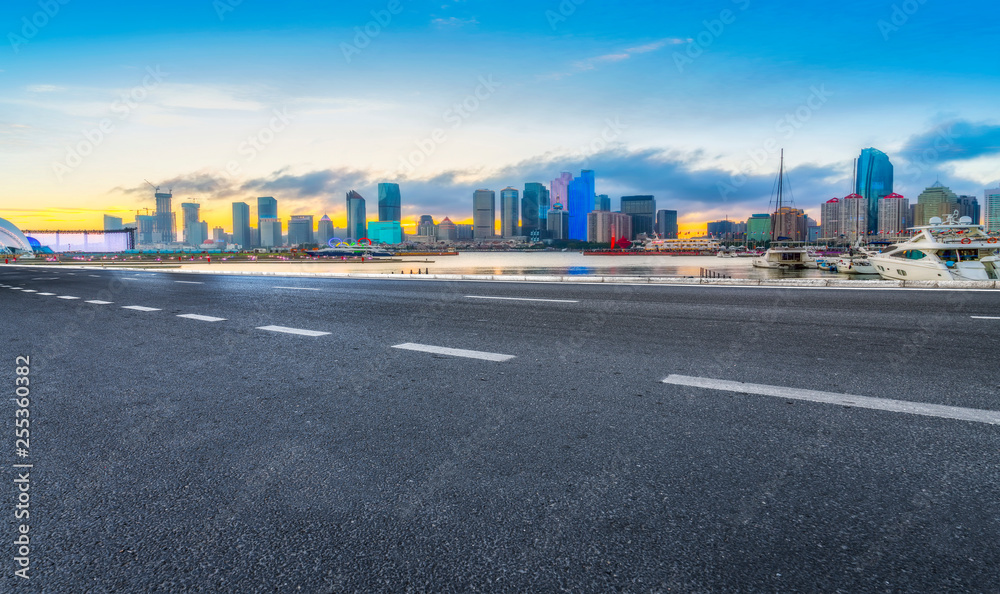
956 284
793 282
926 284
861 284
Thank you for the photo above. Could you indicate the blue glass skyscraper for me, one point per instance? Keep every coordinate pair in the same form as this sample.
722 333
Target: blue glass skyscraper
267 208
357 227
581 202
534 208
874 182
389 202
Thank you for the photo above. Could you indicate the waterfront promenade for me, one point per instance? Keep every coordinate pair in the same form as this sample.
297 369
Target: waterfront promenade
231 433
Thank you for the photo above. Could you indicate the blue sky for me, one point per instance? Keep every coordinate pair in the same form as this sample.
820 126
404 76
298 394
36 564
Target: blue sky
676 100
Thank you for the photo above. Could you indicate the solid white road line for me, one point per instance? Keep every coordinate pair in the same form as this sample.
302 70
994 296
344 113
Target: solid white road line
286 330
297 288
189 282
426 348
914 408
66 297
201 318
522 299
99 302
986 317
139 308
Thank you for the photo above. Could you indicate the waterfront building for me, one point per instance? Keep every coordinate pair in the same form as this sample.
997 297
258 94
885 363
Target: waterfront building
426 227
163 228
874 181
759 227
991 210
853 218
603 225
387 232
241 224
642 209
484 214
558 222
893 213
446 230
389 202
219 234
559 190
300 230
935 201
666 224
829 216
789 224
270 232
356 216
725 229
532 217
112 223
602 202
968 206
465 232
509 213
190 216
324 231
580 201
267 208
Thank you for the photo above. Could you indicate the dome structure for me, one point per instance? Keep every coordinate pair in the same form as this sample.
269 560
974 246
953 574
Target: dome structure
11 238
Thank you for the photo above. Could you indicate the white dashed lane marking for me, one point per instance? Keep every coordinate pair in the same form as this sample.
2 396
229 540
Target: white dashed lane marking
201 318
986 317
139 308
297 288
902 406
190 282
47 294
522 299
286 330
99 302
426 348
66 297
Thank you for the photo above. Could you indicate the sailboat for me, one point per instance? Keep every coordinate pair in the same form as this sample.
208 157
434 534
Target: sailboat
783 253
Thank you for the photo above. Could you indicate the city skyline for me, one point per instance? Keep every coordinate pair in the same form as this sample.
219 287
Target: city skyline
208 111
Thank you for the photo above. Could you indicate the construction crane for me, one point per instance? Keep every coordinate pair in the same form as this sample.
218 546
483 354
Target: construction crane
155 188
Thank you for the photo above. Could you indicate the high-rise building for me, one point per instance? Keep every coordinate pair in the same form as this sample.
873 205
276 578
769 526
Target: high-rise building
465 232
388 232
789 224
426 226
559 187
446 230
144 225
874 181
829 217
991 209
603 225
935 201
968 206
509 220
241 224
558 222
300 230
270 232
357 227
164 226
666 224
267 208
893 214
484 214
853 218
759 227
642 209
218 234
581 202
602 202
725 229
190 216
324 232
112 223
534 199
389 202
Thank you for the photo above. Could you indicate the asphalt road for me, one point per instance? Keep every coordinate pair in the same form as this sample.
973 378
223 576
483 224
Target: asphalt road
182 454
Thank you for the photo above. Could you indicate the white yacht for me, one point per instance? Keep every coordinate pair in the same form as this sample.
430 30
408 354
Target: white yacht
943 250
856 263
785 256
